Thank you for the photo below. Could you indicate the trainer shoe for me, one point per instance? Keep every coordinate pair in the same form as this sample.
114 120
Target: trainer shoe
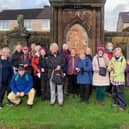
114 105
121 109
29 106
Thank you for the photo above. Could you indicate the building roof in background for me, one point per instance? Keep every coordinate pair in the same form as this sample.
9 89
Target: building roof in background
124 16
40 13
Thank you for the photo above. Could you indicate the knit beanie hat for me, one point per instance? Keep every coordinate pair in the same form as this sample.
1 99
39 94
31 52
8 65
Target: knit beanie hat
100 47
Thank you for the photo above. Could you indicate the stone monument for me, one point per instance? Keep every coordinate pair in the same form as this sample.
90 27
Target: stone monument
80 23
19 34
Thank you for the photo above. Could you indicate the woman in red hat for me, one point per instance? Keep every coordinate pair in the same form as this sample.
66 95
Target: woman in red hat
100 75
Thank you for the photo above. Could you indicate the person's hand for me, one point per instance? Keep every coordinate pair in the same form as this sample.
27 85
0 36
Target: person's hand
38 71
96 71
112 65
113 75
22 94
18 94
42 70
77 69
58 68
25 65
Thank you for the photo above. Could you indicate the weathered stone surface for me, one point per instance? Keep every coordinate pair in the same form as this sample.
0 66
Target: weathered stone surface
19 33
87 14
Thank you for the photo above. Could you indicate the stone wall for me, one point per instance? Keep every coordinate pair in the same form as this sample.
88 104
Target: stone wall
119 39
41 38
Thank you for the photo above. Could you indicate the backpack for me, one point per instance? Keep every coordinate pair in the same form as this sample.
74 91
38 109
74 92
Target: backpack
17 77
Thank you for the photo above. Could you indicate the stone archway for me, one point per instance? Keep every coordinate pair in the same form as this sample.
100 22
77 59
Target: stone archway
77 37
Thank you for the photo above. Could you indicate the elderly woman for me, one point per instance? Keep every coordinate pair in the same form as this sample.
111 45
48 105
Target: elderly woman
100 74
56 64
117 68
72 73
36 70
44 74
5 74
84 76
109 52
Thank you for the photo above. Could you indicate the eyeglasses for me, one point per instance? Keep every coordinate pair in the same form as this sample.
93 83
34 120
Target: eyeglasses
25 49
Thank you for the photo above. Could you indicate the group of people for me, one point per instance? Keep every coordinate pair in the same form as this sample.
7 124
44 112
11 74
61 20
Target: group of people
36 72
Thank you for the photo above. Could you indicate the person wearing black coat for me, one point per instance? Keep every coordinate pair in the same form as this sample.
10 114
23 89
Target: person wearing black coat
25 60
16 58
6 73
43 66
56 65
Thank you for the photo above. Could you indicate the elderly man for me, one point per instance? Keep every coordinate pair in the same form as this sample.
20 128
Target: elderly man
21 85
56 64
25 59
16 57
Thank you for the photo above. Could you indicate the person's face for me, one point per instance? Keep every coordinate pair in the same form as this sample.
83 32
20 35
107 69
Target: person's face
42 52
54 50
88 51
73 52
118 53
18 48
6 54
65 47
21 72
25 51
37 48
109 47
100 53
82 56
33 46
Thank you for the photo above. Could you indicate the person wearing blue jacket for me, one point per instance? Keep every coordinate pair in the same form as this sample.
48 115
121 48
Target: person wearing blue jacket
84 76
21 85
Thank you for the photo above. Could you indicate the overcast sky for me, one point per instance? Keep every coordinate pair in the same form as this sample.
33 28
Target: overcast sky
112 8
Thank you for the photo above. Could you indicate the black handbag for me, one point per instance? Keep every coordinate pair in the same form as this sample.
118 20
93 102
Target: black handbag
58 77
102 70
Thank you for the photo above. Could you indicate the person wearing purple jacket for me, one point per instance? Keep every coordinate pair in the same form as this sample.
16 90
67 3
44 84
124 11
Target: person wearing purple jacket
127 72
65 52
72 73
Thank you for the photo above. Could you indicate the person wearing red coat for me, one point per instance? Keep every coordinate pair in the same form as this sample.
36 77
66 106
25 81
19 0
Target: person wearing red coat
36 70
109 52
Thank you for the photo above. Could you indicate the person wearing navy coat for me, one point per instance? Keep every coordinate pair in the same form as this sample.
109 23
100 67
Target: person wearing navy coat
84 76
6 73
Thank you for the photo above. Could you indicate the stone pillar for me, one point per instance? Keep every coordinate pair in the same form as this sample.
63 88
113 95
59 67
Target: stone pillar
60 27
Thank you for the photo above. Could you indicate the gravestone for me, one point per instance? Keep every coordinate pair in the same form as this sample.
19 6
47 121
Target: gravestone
80 23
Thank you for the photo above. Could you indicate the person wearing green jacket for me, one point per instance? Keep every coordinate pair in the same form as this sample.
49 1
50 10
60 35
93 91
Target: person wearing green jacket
116 68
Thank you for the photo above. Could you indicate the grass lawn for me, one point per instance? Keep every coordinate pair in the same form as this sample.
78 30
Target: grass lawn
74 115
